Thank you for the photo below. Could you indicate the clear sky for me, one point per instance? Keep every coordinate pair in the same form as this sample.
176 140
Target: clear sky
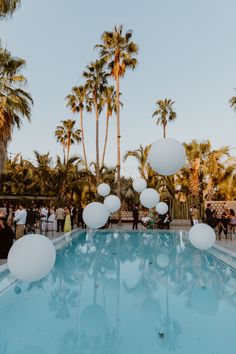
187 52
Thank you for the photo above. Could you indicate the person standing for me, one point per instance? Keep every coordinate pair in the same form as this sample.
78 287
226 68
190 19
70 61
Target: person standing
80 221
20 219
67 225
195 215
6 237
191 214
209 213
44 218
72 215
30 221
135 217
60 215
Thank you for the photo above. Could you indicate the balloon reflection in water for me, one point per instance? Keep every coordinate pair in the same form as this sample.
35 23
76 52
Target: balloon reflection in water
204 301
93 321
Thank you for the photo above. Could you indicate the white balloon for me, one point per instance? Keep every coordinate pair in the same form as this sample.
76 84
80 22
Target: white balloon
202 236
167 156
104 189
151 312
163 260
204 301
139 184
112 203
93 321
95 215
32 257
162 208
149 198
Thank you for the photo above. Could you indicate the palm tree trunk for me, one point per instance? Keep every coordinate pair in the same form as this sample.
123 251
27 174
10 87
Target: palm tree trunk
164 130
106 137
97 141
118 139
82 136
3 155
67 152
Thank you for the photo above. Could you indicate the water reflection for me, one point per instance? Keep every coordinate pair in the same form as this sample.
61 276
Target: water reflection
108 289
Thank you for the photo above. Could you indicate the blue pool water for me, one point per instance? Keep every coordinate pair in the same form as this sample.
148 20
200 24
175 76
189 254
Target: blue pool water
124 293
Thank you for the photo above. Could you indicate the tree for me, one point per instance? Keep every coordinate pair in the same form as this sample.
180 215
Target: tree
66 135
96 81
15 103
164 113
7 7
141 156
232 102
118 51
77 101
109 100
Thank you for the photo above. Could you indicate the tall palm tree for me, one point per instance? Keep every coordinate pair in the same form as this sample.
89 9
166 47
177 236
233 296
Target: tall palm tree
118 51
232 102
164 113
66 135
77 101
7 7
15 103
96 81
109 100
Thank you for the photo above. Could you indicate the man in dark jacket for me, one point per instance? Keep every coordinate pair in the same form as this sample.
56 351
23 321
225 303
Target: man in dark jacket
6 237
210 220
30 221
135 217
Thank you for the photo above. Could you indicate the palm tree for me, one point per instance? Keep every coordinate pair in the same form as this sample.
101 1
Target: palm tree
232 102
196 154
96 81
141 156
66 175
118 51
164 113
66 135
43 174
77 101
7 7
109 99
15 103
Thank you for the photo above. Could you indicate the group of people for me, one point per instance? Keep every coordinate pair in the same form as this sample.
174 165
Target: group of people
222 222
153 220
25 220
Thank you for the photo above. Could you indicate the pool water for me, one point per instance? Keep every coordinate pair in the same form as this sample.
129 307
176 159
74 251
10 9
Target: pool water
124 293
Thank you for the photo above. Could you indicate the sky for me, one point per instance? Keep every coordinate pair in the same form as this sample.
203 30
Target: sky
187 52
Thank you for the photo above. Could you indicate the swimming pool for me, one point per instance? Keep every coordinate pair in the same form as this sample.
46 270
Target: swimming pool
124 293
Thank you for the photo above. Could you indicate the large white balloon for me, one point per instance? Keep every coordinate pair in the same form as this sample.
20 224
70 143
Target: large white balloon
149 198
112 203
104 189
167 156
32 257
95 215
202 236
163 260
139 184
204 301
162 208
151 312
93 321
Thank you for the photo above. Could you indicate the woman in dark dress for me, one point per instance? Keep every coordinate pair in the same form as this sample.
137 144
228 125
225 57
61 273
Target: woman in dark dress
6 238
